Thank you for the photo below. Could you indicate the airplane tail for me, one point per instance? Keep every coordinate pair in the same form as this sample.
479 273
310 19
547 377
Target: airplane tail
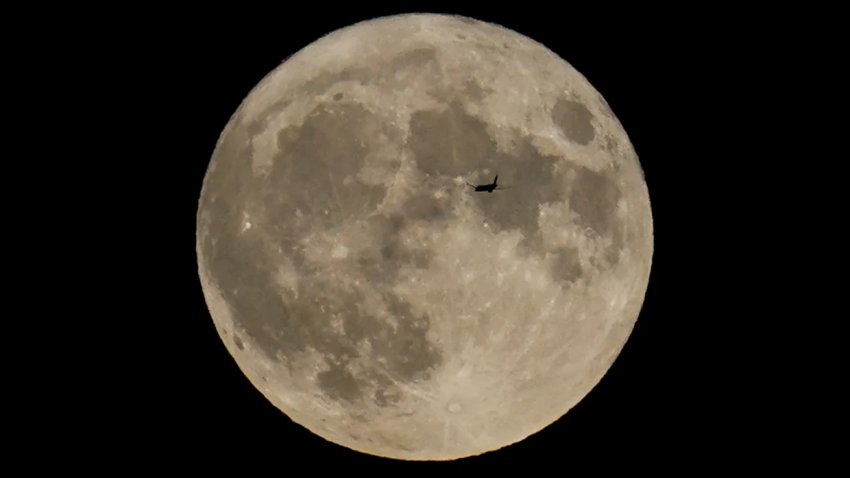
495 180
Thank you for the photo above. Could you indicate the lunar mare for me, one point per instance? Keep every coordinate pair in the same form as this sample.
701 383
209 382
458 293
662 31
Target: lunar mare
375 299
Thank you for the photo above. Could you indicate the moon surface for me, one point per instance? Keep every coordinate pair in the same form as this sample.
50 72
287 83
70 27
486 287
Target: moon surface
376 299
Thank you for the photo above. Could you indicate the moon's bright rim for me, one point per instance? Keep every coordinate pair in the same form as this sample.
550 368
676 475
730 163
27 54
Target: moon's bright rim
367 293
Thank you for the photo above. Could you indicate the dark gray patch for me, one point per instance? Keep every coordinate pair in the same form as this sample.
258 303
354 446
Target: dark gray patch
449 142
472 89
612 254
386 393
338 96
574 120
408 353
338 383
566 267
256 127
380 400
397 253
421 258
322 82
389 224
307 321
594 197
259 124
237 261
374 270
506 46
391 251
315 160
360 324
461 36
238 343
306 178
424 207
610 145
242 272
384 398
393 254
405 350
381 263
358 416
417 59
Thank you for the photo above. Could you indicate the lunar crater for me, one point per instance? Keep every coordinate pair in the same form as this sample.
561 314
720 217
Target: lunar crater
574 120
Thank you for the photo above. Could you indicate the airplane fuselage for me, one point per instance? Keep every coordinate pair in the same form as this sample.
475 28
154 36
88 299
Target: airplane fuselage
487 187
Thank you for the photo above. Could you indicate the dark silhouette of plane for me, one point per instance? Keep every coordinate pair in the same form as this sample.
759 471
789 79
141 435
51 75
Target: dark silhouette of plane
487 187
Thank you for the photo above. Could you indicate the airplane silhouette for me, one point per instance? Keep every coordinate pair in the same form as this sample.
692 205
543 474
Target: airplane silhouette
487 187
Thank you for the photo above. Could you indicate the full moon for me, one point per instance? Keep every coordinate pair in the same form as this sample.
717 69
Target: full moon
373 296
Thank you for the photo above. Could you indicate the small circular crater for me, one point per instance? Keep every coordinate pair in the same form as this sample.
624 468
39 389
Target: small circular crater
454 407
461 36
337 96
